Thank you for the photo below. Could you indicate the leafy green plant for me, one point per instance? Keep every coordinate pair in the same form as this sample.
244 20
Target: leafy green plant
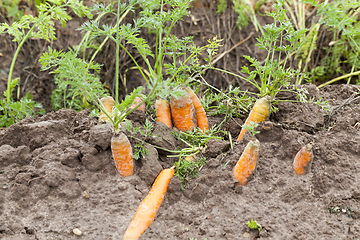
245 11
254 225
156 20
36 27
15 111
139 148
76 86
281 38
231 102
343 51
187 168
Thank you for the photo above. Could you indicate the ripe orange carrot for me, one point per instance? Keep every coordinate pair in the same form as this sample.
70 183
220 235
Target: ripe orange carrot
138 100
201 118
163 113
182 110
247 162
302 158
122 154
148 208
108 103
259 113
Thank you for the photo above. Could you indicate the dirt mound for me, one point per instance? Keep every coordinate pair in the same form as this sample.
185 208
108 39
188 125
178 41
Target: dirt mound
57 174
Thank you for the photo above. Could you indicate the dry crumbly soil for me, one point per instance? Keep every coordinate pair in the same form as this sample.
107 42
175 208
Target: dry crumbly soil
57 174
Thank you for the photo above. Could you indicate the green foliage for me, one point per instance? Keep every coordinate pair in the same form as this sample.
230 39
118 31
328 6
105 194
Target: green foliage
139 148
11 8
280 37
13 112
231 102
251 128
187 168
37 27
76 86
152 16
343 52
254 225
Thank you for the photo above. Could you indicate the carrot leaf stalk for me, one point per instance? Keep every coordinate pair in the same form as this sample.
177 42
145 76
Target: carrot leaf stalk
302 158
122 154
201 118
182 110
138 100
163 113
247 162
148 208
259 113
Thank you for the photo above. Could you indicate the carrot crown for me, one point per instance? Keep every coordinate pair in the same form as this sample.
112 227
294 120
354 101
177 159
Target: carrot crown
179 93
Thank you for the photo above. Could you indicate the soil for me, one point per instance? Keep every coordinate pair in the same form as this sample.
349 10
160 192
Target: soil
57 172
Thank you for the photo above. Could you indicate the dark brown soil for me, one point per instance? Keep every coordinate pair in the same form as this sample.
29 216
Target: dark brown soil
57 174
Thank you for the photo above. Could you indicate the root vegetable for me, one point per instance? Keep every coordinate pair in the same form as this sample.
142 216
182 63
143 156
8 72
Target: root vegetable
138 100
201 118
163 113
247 162
302 158
109 104
259 113
148 208
122 154
182 110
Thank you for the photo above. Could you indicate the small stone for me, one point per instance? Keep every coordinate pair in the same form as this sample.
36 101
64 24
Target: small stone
85 194
246 235
77 231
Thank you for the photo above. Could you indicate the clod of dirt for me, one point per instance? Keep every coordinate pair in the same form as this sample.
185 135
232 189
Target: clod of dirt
306 117
137 116
216 147
9 155
162 137
269 132
100 136
150 166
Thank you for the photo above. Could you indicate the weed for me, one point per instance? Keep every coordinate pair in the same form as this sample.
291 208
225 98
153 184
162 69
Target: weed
254 225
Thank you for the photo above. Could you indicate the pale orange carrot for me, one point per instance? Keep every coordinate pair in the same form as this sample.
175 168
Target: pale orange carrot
148 208
109 104
259 113
122 154
201 118
138 100
247 162
182 110
302 158
163 113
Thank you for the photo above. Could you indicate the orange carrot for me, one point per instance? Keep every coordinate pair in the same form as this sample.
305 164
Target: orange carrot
201 118
122 154
302 158
138 100
148 208
109 104
182 110
259 113
247 162
163 113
